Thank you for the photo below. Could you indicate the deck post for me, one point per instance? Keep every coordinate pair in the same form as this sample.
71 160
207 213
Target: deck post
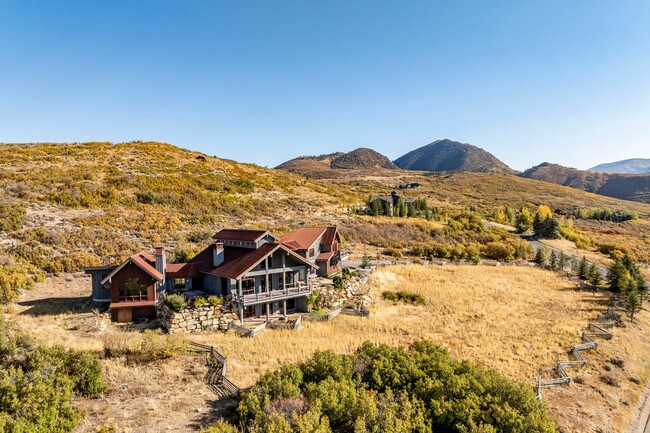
284 273
268 312
241 302
284 308
241 314
268 288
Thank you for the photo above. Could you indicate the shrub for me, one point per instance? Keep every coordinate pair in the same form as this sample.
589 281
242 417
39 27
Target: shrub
215 300
405 297
499 251
11 216
176 302
13 279
156 346
338 282
392 252
379 388
200 301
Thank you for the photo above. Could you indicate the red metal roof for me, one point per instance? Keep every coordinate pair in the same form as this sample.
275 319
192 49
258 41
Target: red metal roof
241 235
325 256
183 270
304 237
144 261
237 268
331 233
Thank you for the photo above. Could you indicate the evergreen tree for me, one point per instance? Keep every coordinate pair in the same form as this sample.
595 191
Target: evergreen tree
616 274
562 260
553 260
594 276
631 299
540 257
583 269
523 221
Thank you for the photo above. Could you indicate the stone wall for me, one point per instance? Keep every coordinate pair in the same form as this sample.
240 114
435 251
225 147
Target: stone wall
194 319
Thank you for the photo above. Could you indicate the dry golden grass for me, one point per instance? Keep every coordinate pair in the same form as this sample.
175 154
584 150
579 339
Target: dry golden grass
517 320
520 321
570 248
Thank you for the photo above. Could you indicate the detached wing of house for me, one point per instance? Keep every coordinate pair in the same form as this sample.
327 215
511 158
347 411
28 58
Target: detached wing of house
319 245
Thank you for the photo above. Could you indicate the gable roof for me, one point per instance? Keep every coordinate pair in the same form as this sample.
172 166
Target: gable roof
144 261
183 270
240 266
242 235
331 233
302 238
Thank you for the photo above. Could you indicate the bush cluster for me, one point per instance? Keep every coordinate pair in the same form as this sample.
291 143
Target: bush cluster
176 302
402 296
37 386
385 389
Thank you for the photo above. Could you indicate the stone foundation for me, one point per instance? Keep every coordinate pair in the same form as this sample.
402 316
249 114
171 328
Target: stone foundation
194 319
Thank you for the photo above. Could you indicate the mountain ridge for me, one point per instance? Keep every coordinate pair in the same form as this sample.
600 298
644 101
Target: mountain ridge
625 166
448 156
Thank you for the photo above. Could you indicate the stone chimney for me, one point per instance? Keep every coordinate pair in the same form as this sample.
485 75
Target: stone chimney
161 261
217 254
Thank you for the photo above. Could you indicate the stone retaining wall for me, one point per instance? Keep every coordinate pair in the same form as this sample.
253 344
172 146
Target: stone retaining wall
194 319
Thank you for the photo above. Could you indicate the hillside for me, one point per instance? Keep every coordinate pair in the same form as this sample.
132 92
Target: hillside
338 164
623 186
447 156
108 200
627 166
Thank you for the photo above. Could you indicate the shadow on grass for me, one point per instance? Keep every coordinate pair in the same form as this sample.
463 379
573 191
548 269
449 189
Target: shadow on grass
221 408
56 306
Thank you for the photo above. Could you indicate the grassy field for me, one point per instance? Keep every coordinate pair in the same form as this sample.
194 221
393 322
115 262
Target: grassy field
518 320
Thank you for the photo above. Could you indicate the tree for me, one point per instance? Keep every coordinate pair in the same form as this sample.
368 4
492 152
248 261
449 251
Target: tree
594 276
553 260
631 299
562 260
583 269
616 274
523 221
510 214
365 261
540 257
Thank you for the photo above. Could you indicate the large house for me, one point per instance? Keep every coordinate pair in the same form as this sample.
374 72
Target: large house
260 273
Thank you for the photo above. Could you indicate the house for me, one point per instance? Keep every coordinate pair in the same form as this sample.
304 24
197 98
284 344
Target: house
391 201
261 275
409 185
319 245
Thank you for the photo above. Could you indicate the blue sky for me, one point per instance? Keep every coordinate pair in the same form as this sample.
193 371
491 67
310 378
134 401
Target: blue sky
264 81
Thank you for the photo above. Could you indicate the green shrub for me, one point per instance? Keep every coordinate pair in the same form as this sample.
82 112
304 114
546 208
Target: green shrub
176 302
13 279
338 282
215 300
11 216
379 388
402 296
200 301
392 252
156 346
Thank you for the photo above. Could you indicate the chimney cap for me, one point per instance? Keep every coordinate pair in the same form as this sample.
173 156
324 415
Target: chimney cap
160 250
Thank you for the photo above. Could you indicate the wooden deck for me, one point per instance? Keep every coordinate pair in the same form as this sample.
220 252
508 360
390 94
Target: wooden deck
273 295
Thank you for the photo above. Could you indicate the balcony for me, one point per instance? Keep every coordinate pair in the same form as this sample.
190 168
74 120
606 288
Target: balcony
292 291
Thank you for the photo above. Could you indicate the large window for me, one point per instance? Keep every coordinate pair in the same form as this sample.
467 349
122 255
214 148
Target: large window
178 283
248 285
133 290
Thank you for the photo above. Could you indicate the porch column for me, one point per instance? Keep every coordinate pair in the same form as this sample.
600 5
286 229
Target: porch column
239 289
268 288
268 312
241 313
241 302
284 275
284 308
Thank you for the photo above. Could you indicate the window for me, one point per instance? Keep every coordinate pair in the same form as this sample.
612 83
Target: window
311 252
132 290
270 261
248 285
178 283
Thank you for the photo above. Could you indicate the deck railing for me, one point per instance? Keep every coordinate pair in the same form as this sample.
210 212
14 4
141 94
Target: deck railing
272 295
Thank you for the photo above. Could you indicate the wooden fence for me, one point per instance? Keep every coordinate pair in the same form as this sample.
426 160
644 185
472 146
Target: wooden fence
594 330
216 375
322 317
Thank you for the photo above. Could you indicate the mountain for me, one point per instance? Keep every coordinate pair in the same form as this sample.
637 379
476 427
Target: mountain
446 155
330 165
362 158
624 186
627 166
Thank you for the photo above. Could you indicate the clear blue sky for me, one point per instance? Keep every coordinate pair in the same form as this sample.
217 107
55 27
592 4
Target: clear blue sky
264 81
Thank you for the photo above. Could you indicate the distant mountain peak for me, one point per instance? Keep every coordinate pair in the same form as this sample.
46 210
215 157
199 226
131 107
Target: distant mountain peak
362 158
626 166
449 155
